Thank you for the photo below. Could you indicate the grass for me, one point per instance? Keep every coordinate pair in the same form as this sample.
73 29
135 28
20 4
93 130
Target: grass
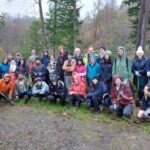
87 116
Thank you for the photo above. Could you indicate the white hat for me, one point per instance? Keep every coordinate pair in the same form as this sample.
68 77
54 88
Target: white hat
108 52
140 50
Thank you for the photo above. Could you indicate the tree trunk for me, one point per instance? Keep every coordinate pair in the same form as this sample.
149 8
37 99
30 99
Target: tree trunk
74 23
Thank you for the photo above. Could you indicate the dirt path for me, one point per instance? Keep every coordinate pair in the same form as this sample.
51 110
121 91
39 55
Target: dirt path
27 128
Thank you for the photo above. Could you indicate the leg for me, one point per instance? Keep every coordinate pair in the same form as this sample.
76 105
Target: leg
62 99
51 98
128 110
120 109
96 104
70 99
78 99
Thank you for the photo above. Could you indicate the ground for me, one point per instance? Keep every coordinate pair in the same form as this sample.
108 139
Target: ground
37 127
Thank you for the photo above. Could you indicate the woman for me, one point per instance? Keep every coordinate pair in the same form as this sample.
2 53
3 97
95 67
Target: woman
121 98
139 72
12 71
52 68
81 69
106 70
4 67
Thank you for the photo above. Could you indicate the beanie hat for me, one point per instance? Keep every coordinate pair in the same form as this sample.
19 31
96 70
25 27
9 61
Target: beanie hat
140 50
121 47
108 52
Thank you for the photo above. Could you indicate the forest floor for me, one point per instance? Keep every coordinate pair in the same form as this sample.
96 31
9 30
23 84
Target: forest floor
41 126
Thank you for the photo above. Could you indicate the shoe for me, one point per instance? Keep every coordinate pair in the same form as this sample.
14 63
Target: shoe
137 120
12 103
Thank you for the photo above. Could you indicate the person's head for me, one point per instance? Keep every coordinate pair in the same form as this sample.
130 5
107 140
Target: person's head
61 49
118 81
33 52
45 53
107 56
95 81
39 82
70 55
52 57
7 78
147 90
12 62
120 51
54 80
5 60
92 60
140 52
80 61
38 61
91 50
102 49
18 56
77 51
21 61
10 56
20 77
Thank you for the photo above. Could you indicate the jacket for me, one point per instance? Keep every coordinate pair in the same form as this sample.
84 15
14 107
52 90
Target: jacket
87 57
4 68
45 60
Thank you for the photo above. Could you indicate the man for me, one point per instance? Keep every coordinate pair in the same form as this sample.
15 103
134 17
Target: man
6 89
102 51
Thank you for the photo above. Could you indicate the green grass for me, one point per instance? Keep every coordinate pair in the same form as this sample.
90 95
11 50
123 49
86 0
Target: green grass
85 115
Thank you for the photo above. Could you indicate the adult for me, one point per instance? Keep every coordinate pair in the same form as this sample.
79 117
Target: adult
4 67
45 59
77 54
102 50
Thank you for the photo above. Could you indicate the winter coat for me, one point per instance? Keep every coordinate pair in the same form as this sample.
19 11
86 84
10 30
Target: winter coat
140 66
45 60
122 67
21 69
82 71
40 90
53 69
39 72
124 90
87 58
145 104
4 68
78 88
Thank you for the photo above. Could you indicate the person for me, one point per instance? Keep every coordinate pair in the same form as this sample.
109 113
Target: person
139 72
77 54
62 56
10 57
52 68
148 69
93 69
38 70
57 90
40 89
144 112
122 65
6 89
4 67
45 59
17 58
81 70
91 52
12 71
102 50
69 67
95 94
106 70
21 87
121 98
77 91
33 56
21 68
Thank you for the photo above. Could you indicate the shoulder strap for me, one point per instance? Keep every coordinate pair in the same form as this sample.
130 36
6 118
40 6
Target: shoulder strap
127 63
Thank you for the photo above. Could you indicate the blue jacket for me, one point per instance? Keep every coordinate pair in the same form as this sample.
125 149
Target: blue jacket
93 71
97 90
148 64
45 60
4 68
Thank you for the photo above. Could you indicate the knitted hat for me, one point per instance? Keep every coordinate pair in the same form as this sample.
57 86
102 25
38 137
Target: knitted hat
121 47
140 50
108 52
103 47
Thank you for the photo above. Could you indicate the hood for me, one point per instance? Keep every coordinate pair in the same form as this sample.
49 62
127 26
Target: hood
124 51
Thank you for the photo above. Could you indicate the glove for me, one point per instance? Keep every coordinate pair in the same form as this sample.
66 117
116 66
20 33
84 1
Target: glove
148 73
137 73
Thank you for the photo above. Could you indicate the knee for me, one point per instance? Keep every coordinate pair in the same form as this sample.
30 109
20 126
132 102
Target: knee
51 98
127 114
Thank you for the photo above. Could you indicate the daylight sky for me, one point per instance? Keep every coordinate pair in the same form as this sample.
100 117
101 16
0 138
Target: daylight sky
28 7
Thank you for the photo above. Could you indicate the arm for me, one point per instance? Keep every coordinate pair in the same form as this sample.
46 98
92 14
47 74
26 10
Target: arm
11 90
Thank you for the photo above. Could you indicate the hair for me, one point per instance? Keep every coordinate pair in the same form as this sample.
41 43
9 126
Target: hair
70 53
107 60
80 59
20 62
61 47
52 55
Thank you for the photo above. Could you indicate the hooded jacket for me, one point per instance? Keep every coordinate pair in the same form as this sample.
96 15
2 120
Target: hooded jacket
4 68
45 60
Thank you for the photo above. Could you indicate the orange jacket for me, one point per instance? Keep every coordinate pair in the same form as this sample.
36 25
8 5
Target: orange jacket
6 87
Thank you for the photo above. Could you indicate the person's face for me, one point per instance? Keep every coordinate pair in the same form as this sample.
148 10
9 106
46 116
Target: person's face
140 55
20 77
120 52
54 82
52 57
38 62
106 57
22 61
102 51
10 56
95 81
146 91
92 60
118 82
79 62
69 56
33 52
5 61
13 62
91 50
39 83
77 51
18 56
61 50
7 79
45 53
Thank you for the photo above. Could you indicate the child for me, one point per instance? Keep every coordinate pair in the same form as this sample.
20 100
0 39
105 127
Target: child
144 111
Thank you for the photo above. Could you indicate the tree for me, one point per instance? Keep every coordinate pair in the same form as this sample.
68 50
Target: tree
63 23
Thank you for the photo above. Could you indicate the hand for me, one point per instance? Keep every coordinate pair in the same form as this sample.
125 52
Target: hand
148 73
17 97
137 73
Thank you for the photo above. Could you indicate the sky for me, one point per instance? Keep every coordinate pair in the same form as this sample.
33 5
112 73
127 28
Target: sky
29 8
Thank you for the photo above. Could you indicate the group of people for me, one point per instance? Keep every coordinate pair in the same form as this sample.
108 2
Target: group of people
73 78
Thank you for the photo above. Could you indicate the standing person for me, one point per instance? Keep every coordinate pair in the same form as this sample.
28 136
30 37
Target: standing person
95 95
21 68
69 67
144 112
91 52
17 58
39 70
102 50
122 65
106 70
81 69
12 71
4 67
62 56
77 54
6 89
139 72
77 91
45 59
33 56
93 69
122 98
148 69
10 57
